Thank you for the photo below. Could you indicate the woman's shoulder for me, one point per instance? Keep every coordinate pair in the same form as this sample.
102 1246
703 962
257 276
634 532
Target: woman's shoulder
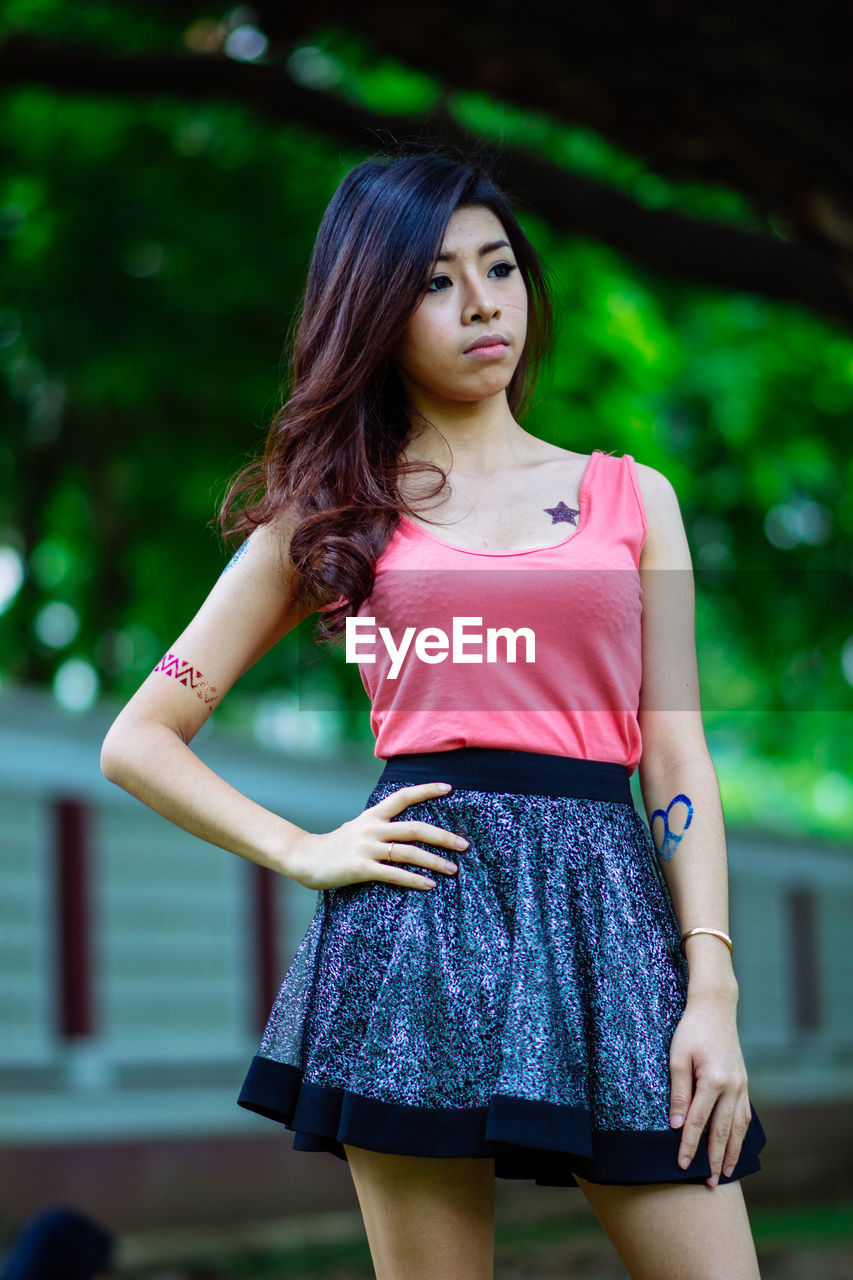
653 483
665 533
655 487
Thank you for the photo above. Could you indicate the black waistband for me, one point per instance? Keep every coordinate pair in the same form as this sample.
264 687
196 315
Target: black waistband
522 773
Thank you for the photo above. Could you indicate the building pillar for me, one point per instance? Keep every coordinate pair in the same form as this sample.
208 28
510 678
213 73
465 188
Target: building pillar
76 1013
266 922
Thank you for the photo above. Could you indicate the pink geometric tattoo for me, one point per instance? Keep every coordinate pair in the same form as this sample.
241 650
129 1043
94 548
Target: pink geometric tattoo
187 675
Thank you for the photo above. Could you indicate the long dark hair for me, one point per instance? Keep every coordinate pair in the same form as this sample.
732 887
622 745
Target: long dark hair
332 453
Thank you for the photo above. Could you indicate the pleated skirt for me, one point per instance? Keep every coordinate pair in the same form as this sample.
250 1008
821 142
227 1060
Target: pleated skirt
522 1010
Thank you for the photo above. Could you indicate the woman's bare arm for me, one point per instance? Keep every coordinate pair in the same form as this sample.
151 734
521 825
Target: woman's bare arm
709 1085
146 751
677 776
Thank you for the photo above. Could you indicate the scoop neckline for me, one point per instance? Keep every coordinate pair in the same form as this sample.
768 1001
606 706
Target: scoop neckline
583 503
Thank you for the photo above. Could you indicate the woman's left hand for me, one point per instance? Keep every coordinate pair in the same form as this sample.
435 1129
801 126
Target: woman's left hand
705 1049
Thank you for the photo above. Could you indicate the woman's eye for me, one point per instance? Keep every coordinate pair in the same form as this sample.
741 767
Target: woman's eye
507 267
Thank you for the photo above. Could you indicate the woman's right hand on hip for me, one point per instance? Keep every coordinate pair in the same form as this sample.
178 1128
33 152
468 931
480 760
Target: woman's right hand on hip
364 848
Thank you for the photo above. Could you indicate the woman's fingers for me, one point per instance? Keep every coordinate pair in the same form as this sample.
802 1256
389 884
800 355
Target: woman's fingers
718 1134
681 1090
400 800
397 851
722 1104
740 1124
697 1117
708 1087
405 879
395 834
425 831
366 847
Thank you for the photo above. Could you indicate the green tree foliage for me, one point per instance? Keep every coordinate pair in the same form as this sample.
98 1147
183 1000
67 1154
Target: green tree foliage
153 252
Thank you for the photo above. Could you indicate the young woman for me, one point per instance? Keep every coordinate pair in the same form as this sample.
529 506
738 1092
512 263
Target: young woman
508 972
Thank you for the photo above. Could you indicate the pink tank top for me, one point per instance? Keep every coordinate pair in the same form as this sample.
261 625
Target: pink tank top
571 688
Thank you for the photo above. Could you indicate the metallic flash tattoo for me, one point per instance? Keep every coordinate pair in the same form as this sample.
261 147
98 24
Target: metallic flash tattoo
562 514
241 551
671 839
187 675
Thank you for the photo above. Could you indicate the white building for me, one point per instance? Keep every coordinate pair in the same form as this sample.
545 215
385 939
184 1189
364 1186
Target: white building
139 964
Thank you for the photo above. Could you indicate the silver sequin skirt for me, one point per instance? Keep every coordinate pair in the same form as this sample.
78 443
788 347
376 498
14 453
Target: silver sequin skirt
522 1009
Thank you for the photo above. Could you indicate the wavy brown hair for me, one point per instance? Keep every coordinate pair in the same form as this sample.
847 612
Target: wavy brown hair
332 456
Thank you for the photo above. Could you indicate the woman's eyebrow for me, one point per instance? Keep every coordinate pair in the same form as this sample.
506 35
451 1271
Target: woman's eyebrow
484 249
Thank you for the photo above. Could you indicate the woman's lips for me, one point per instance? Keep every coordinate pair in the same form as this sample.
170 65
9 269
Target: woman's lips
490 352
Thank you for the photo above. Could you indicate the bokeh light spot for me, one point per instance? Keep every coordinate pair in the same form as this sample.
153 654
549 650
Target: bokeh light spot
13 219
313 68
205 36
115 651
833 795
847 659
50 562
788 524
280 724
245 43
12 574
56 624
145 258
75 685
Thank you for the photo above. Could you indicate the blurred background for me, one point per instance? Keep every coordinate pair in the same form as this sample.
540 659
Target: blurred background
687 177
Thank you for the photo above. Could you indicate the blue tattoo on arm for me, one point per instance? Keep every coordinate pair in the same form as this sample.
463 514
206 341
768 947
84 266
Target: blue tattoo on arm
241 551
671 839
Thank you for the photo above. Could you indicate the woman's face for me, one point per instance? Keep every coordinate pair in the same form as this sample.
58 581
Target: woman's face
475 289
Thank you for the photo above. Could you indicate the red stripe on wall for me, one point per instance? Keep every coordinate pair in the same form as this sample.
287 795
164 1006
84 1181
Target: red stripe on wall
74 924
803 958
267 977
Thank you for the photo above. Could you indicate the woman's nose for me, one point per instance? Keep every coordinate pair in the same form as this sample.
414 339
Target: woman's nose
481 305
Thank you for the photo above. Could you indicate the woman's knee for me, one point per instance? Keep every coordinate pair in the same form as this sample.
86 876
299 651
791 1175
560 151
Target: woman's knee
426 1217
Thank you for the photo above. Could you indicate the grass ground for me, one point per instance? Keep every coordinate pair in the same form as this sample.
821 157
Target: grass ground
813 1242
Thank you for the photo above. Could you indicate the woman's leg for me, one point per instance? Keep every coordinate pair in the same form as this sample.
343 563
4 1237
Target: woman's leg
677 1231
426 1217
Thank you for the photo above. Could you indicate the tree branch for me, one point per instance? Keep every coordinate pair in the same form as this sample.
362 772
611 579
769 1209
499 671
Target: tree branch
713 253
755 97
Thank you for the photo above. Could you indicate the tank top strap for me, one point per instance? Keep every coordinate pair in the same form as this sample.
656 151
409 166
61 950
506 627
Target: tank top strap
615 508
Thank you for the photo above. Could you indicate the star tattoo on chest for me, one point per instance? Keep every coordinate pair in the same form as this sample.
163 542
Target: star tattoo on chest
561 514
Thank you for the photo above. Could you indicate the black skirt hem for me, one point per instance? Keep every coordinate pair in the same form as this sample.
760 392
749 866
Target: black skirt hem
527 1139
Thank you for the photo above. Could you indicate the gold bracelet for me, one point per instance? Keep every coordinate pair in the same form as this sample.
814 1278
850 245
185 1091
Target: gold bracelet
718 933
